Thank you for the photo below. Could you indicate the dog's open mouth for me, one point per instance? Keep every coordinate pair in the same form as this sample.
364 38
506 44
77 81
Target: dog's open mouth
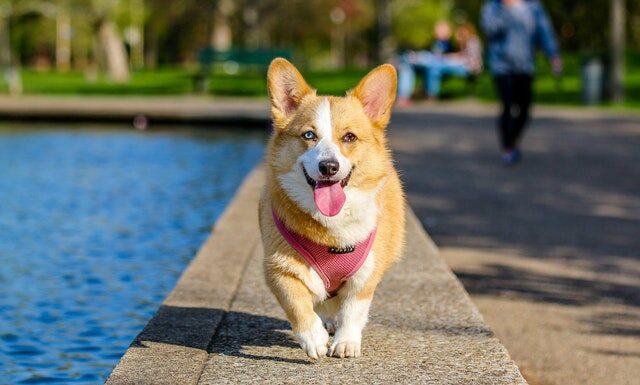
328 195
312 182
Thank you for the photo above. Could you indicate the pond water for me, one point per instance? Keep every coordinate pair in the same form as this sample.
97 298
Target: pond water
96 226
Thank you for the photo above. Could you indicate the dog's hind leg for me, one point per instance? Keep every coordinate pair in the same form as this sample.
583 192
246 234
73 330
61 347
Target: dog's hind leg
328 312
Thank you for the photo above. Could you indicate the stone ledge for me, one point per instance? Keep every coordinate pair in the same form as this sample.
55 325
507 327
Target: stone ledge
222 325
238 112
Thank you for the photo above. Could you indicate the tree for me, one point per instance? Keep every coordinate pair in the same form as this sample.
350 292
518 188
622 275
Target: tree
111 47
384 43
617 50
176 30
413 20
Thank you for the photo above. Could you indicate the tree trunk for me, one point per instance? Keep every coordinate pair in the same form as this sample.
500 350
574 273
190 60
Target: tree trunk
5 43
151 46
63 41
222 37
114 52
616 76
384 41
137 31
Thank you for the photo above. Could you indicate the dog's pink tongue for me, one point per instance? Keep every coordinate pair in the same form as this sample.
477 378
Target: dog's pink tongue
329 198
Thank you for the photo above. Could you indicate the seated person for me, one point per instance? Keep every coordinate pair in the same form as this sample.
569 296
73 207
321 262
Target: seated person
442 44
463 63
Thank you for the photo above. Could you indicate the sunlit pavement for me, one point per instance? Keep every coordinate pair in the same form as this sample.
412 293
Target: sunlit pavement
550 249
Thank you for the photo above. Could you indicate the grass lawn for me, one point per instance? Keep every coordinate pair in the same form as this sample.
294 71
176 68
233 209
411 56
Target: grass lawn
172 81
178 81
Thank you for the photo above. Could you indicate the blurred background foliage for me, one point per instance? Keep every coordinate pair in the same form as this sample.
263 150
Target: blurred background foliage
411 21
171 32
153 46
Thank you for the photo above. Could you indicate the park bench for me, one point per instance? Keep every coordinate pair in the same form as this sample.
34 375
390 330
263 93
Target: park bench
470 82
232 61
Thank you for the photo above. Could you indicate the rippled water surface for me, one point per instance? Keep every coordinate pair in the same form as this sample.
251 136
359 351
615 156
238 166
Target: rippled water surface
95 228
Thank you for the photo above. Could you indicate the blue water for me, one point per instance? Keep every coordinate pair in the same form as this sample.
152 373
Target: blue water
95 228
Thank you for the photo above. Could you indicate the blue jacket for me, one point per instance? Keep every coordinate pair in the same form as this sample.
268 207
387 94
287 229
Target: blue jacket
514 33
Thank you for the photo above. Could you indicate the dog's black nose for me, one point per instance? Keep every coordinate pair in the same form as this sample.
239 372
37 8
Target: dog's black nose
328 167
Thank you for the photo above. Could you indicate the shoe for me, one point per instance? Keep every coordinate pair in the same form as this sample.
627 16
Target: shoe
512 157
517 155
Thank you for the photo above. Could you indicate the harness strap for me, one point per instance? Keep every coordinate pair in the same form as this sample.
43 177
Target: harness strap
333 265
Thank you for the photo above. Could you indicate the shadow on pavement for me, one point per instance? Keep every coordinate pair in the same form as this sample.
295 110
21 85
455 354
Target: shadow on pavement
195 328
615 323
615 353
574 201
241 330
512 281
184 326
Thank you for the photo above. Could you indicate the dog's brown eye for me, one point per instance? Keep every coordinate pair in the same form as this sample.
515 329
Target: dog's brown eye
349 137
309 135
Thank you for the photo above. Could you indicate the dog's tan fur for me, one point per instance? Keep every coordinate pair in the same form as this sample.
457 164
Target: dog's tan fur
365 112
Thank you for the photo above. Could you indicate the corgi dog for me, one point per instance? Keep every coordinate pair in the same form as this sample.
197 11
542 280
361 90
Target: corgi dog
332 212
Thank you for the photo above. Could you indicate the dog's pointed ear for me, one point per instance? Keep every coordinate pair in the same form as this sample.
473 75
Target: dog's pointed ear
377 92
286 88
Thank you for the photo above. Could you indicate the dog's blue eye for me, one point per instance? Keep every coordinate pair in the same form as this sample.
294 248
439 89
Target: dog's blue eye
309 135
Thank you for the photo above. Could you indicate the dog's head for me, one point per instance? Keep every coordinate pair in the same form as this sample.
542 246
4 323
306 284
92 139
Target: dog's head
325 147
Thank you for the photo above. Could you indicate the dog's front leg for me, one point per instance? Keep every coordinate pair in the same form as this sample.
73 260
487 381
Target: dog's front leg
352 317
297 302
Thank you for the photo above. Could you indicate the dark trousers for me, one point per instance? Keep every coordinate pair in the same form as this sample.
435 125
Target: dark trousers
515 92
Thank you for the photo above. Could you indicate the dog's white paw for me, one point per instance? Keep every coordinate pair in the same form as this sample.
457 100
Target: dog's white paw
346 343
345 349
314 341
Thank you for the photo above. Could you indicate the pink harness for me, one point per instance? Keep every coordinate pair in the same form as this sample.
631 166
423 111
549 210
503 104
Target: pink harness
332 264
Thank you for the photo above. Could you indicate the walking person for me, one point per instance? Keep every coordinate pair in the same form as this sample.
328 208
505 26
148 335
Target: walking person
514 29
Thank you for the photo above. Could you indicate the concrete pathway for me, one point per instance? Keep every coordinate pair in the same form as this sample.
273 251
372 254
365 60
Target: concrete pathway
549 250
221 325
